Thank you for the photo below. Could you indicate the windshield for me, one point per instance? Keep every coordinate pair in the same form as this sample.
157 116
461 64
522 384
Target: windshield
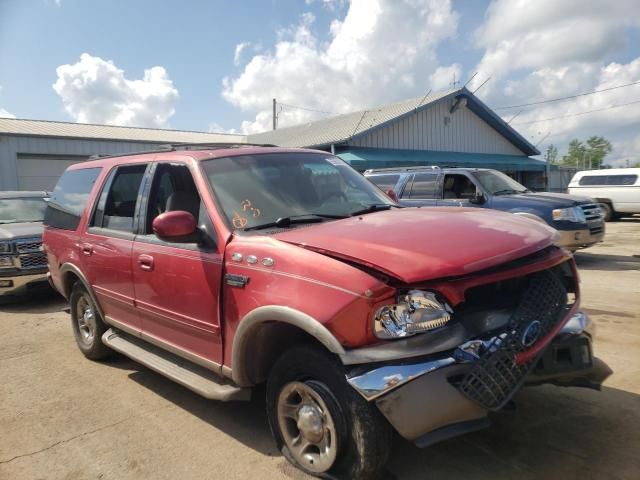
498 183
14 210
256 190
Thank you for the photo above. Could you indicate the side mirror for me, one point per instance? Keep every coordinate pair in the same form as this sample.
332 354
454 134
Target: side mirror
478 199
392 195
176 226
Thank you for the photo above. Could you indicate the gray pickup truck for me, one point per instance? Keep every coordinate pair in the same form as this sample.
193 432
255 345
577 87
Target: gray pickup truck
23 264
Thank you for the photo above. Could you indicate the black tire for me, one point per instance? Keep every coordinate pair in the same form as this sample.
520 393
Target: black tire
89 336
607 210
363 434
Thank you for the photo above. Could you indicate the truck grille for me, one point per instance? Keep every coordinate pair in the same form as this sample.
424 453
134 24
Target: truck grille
33 260
596 230
29 245
494 378
592 211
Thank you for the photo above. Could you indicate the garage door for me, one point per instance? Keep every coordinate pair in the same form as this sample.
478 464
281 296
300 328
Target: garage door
40 173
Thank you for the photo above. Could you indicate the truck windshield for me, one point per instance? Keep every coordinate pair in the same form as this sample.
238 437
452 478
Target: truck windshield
497 183
15 210
256 191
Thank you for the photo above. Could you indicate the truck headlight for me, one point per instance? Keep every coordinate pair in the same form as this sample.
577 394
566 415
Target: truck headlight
5 247
415 312
573 214
6 262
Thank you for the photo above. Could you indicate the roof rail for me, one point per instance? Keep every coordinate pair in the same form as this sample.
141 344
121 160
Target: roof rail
402 169
172 147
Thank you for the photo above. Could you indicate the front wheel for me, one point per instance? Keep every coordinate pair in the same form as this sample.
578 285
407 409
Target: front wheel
607 212
320 423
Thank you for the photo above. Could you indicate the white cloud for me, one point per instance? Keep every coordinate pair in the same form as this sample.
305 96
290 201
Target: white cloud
215 127
5 114
382 50
94 90
328 4
443 77
237 55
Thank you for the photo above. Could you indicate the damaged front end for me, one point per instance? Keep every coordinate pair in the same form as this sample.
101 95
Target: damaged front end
521 329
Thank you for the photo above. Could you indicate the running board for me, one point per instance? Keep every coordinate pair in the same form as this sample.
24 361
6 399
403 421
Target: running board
196 378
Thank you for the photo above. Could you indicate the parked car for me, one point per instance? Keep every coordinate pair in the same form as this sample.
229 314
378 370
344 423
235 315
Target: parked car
617 190
23 265
577 219
224 268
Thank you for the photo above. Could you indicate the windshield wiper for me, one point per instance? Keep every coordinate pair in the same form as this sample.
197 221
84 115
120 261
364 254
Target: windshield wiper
293 219
507 191
374 207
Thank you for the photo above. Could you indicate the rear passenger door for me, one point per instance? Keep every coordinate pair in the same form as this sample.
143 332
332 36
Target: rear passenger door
107 244
177 285
421 190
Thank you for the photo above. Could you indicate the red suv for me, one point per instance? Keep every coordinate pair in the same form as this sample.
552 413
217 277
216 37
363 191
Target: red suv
228 266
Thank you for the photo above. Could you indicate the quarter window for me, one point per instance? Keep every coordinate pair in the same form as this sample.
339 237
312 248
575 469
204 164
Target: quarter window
69 198
385 182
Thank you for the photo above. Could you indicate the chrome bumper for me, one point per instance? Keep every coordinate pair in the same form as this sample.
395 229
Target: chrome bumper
575 239
422 403
20 283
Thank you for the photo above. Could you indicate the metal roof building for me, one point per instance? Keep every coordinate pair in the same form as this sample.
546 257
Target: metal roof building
34 153
451 128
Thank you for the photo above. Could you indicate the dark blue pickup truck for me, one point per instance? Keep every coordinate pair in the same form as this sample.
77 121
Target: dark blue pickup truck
579 220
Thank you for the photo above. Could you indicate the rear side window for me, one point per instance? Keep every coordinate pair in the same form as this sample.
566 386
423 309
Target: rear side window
385 182
424 186
117 206
608 180
70 197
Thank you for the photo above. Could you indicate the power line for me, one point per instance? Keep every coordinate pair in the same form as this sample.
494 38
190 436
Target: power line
578 114
305 108
559 99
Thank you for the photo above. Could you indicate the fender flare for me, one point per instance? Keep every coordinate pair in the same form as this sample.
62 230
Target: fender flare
276 313
70 267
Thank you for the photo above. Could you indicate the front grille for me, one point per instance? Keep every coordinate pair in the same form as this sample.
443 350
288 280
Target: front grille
33 260
29 245
495 376
592 211
596 230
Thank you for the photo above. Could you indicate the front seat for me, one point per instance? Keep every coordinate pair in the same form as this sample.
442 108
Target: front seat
184 201
449 184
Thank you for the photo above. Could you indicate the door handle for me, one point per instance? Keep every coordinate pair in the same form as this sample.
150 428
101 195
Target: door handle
87 249
145 262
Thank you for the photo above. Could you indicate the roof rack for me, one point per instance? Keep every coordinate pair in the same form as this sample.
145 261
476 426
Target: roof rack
402 169
172 147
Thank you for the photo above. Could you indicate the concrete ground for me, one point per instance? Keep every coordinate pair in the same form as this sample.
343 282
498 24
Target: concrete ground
64 417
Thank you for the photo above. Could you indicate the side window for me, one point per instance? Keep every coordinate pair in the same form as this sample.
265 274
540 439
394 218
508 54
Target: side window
117 204
385 182
593 180
70 197
622 179
173 189
424 185
458 186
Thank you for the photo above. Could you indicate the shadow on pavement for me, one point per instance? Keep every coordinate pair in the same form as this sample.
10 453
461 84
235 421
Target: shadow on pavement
44 300
555 433
610 263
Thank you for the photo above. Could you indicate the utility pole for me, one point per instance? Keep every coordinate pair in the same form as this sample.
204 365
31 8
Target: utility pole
274 114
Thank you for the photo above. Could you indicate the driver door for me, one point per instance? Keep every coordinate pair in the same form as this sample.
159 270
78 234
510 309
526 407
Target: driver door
177 285
457 190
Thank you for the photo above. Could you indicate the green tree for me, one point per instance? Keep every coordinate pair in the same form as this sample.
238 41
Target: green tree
590 154
575 153
551 154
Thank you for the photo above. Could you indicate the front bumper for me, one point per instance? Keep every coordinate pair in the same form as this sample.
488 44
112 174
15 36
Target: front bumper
424 402
582 238
20 284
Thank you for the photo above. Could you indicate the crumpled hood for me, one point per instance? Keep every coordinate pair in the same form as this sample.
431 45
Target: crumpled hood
418 244
547 199
11 231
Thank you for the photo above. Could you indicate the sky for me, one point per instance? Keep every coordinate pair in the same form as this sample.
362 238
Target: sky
215 65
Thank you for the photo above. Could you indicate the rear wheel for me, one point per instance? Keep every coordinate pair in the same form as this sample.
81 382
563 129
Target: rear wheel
320 423
607 211
87 324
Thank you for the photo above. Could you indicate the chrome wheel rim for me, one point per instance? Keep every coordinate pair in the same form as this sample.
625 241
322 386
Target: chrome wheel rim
307 427
86 319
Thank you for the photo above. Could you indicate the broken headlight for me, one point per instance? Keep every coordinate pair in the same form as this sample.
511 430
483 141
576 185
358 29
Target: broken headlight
415 312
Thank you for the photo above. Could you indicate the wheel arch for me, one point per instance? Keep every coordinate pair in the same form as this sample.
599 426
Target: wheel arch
529 214
264 333
70 274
